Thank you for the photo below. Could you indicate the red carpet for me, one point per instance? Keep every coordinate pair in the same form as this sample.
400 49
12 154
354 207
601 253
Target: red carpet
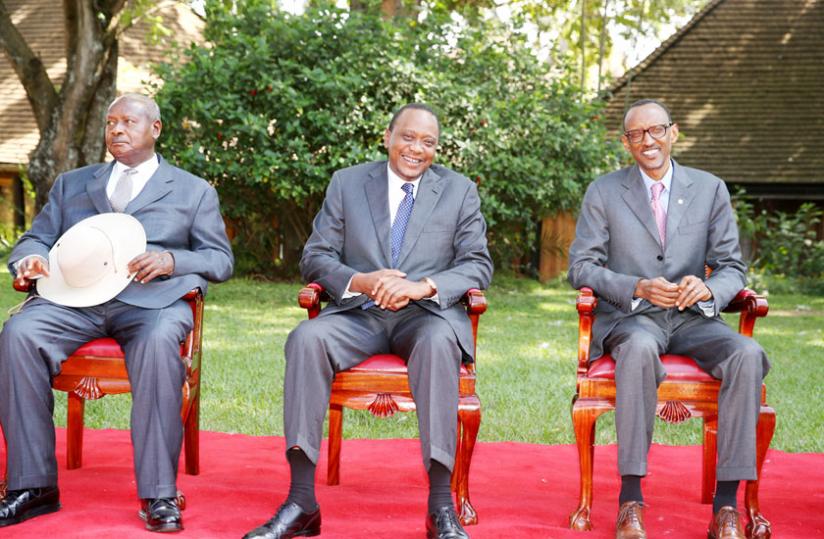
519 491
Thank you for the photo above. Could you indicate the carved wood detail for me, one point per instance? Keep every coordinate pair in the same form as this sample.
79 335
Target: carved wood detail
674 412
88 389
383 405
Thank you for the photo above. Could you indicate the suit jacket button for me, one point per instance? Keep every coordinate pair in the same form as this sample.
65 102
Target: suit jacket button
659 257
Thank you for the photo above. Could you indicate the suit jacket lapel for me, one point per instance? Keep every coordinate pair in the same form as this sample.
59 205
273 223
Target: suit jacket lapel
637 198
377 197
680 199
96 189
429 192
158 186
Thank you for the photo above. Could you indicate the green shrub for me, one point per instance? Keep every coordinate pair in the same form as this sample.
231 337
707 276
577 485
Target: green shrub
273 103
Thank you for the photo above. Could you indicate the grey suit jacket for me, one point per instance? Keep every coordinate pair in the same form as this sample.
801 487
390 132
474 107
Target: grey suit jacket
179 211
616 242
444 240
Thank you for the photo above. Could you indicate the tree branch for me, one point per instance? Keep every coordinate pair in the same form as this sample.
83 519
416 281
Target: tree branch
29 68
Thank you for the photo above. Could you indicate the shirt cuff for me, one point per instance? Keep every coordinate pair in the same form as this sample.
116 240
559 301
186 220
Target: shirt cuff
348 293
635 303
707 307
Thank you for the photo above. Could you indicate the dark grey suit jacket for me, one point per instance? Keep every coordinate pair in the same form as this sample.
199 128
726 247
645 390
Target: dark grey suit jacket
445 240
179 211
616 242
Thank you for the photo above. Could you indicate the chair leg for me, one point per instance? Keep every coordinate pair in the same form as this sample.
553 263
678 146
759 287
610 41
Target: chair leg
583 420
709 461
74 431
335 435
469 419
191 435
759 527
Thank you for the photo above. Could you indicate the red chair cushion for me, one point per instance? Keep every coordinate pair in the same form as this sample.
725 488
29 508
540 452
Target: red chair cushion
106 347
387 363
679 368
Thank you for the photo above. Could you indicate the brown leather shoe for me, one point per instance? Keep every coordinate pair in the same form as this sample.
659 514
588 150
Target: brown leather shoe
726 524
630 523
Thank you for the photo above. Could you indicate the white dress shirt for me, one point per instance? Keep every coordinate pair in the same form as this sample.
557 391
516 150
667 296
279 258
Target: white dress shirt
663 199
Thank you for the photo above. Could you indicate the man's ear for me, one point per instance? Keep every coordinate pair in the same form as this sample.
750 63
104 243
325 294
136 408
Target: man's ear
386 136
157 127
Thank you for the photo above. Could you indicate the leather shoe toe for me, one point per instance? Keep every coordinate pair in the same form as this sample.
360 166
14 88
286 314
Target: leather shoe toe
290 521
443 523
20 505
726 524
630 523
161 515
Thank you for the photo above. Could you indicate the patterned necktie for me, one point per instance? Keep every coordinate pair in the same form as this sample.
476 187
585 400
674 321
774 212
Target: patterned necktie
399 229
401 220
658 212
122 194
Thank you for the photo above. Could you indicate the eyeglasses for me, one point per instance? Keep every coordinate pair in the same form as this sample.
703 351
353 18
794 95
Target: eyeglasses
656 131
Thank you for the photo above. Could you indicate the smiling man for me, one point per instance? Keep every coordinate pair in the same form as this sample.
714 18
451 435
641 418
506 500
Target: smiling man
185 246
396 245
644 237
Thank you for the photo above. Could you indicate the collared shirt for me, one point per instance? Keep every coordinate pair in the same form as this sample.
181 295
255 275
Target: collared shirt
145 170
708 307
663 199
396 194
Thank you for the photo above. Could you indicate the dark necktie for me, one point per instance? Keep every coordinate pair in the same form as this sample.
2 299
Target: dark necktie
399 228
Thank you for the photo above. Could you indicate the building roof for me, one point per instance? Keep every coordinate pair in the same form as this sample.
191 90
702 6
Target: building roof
745 82
42 24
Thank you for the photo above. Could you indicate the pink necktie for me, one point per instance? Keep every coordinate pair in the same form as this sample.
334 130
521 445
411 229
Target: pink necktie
658 212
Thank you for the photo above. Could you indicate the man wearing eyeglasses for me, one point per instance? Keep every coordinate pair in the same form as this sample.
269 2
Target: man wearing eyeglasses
643 239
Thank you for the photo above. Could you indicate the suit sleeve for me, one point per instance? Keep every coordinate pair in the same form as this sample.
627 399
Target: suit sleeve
45 229
589 252
472 265
209 253
321 260
729 272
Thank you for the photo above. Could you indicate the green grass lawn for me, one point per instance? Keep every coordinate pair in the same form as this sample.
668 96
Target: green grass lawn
526 367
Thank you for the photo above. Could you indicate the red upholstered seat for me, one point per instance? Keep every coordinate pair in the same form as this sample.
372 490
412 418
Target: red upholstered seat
388 363
107 347
679 368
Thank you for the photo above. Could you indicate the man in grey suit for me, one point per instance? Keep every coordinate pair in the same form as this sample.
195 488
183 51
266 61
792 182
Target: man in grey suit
396 245
644 236
186 246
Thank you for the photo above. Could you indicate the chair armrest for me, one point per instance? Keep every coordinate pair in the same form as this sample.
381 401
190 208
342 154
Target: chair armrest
585 304
475 302
28 287
751 306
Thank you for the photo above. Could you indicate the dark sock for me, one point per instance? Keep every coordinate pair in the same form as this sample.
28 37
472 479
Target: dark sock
440 493
725 494
630 489
302 485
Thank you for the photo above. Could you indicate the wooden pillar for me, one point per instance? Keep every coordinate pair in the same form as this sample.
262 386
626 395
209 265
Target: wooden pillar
557 233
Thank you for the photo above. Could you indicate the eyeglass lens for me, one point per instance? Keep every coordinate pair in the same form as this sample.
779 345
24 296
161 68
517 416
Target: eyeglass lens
656 131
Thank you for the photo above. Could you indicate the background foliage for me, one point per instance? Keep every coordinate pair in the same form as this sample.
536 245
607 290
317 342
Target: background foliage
273 103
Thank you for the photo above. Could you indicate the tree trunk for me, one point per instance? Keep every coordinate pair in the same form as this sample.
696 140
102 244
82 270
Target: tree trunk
70 121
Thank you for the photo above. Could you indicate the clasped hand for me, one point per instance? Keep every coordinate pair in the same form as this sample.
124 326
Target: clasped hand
389 288
663 293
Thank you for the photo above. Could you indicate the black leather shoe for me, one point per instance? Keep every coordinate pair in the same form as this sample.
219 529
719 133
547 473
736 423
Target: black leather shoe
444 524
290 521
20 505
161 515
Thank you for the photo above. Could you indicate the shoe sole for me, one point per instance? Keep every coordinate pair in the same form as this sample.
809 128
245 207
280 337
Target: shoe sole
44 510
161 528
307 533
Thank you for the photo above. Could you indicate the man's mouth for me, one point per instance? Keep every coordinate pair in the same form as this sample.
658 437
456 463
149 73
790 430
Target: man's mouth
411 160
651 152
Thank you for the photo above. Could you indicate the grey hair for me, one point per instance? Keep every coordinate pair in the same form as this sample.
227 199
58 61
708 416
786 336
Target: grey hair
149 104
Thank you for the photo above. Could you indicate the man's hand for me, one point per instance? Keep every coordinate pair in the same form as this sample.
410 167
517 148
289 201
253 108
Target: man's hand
31 268
366 283
691 290
395 293
658 291
152 264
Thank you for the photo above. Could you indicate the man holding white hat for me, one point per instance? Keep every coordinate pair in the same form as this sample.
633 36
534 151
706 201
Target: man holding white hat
113 251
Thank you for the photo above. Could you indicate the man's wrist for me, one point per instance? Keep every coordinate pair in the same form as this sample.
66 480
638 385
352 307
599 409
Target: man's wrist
433 288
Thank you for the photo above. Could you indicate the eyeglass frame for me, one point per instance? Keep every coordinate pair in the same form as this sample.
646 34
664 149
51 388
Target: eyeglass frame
648 130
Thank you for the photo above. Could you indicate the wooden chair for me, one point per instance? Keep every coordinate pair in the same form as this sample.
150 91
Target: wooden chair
380 385
687 392
98 368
